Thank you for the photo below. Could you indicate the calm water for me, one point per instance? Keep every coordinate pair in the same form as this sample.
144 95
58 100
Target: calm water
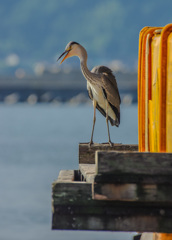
36 142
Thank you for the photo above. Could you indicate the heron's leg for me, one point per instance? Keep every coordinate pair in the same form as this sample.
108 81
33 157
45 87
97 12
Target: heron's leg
110 143
94 120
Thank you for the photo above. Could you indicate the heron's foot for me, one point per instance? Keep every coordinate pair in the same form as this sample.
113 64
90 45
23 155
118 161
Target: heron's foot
90 143
110 143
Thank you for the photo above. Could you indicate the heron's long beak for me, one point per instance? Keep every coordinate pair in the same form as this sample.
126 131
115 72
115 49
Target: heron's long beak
66 52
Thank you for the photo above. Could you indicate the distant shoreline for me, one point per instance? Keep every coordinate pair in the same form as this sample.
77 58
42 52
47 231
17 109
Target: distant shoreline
60 87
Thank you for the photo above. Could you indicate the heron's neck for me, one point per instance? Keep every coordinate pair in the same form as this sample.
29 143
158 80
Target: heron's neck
89 76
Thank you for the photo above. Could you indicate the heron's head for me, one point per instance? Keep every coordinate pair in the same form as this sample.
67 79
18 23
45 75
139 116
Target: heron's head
72 49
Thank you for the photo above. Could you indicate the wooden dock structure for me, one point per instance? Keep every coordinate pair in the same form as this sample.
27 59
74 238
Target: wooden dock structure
115 190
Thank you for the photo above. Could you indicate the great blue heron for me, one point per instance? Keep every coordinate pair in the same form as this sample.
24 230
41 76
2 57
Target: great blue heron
101 86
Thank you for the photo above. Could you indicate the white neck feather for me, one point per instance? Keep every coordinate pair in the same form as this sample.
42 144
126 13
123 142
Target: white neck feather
89 76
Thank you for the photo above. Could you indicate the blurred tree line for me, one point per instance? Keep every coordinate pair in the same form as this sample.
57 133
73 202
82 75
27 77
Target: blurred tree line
38 30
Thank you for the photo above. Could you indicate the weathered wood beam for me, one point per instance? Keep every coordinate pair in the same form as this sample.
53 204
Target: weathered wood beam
133 178
114 218
139 191
87 154
74 209
133 163
126 176
66 191
133 192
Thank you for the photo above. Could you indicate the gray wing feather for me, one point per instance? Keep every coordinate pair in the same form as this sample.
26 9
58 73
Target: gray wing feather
109 80
91 97
110 87
89 91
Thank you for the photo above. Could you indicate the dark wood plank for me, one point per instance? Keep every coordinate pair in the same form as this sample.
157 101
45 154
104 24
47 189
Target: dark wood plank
121 178
112 219
87 154
133 163
136 191
133 192
68 193
74 209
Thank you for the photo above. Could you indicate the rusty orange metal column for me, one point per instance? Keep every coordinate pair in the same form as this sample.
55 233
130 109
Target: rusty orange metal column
163 86
162 236
141 89
144 86
155 93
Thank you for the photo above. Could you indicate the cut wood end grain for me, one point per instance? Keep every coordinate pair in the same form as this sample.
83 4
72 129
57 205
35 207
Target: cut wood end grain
87 153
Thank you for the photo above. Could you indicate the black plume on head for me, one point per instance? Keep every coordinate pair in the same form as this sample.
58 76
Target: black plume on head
71 43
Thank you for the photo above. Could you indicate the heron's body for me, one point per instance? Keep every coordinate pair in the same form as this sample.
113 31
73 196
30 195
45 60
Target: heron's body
101 86
101 101
102 98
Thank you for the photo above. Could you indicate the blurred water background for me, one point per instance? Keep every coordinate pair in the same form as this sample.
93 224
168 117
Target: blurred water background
36 142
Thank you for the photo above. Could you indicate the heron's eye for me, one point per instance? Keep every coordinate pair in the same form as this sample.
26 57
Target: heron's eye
69 48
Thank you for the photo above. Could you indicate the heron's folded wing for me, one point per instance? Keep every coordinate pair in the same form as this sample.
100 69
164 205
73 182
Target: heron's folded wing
90 94
112 94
